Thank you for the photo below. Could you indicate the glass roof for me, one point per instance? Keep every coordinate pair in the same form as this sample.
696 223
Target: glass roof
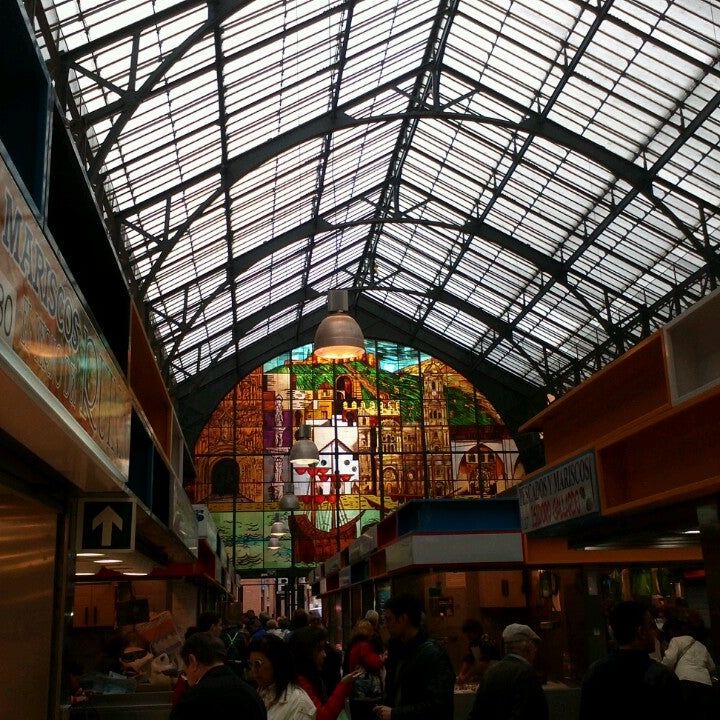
535 181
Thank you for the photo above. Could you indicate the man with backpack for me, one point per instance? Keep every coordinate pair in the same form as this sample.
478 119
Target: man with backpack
236 643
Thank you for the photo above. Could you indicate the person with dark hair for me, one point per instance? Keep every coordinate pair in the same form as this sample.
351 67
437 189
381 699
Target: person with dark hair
182 684
300 618
628 684
210 622
419 679
307 646
236 643
511 689
215 690
261 627
332 669
271 666
480 655
191 630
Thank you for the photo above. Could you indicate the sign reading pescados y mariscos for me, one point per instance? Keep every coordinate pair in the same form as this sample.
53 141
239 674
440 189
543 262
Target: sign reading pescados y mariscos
564 492
45 324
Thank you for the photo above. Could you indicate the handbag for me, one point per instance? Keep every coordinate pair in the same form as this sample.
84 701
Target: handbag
368 685
685 649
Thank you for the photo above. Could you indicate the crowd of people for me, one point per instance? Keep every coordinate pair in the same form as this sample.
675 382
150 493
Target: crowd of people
267 668
277 669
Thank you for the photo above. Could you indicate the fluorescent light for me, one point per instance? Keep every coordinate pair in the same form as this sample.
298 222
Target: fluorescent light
90 555
107 561
135 573
691 532
84 573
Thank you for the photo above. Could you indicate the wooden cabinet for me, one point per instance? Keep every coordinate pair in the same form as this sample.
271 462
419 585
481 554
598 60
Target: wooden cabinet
674 458
632 388
651 417
148 385
94 605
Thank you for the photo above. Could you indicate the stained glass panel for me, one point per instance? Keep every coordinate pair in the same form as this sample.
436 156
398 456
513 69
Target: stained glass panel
393 426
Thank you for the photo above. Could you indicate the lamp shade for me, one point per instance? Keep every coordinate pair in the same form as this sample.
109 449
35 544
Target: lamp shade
338 336
278 528
304 451
289 501
274 543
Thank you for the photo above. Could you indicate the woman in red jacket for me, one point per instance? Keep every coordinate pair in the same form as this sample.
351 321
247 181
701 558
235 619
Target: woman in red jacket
307 646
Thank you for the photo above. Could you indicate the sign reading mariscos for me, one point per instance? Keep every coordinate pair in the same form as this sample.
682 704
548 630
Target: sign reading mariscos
562 493
43 321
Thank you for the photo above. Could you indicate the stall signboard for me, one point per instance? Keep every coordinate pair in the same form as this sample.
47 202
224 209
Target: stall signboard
559 494
44 323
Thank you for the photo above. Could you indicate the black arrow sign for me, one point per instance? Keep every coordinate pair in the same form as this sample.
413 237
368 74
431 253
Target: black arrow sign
108 525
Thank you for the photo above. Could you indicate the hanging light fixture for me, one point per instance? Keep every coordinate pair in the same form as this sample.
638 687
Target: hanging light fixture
274 543
338 336
289 501
304 451
278 528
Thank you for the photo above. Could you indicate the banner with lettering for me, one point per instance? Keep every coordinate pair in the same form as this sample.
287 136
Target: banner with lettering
564 492
43 321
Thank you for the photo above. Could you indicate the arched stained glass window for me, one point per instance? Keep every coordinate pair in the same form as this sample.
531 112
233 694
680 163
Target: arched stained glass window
392 426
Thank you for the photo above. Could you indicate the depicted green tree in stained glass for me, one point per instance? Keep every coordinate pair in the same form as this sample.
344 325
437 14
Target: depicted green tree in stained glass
410 397
461 409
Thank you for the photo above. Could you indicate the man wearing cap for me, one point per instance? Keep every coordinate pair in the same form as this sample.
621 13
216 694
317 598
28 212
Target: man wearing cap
215 690
511 689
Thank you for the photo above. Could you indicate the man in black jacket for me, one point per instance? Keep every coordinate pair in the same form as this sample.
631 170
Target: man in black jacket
215 690
628 684
420 679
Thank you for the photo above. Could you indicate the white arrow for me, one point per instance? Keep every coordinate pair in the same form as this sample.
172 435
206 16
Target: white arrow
107 518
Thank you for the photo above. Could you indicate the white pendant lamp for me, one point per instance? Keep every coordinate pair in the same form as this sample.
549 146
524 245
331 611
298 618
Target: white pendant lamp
274 543
278 528
338 336
304 451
